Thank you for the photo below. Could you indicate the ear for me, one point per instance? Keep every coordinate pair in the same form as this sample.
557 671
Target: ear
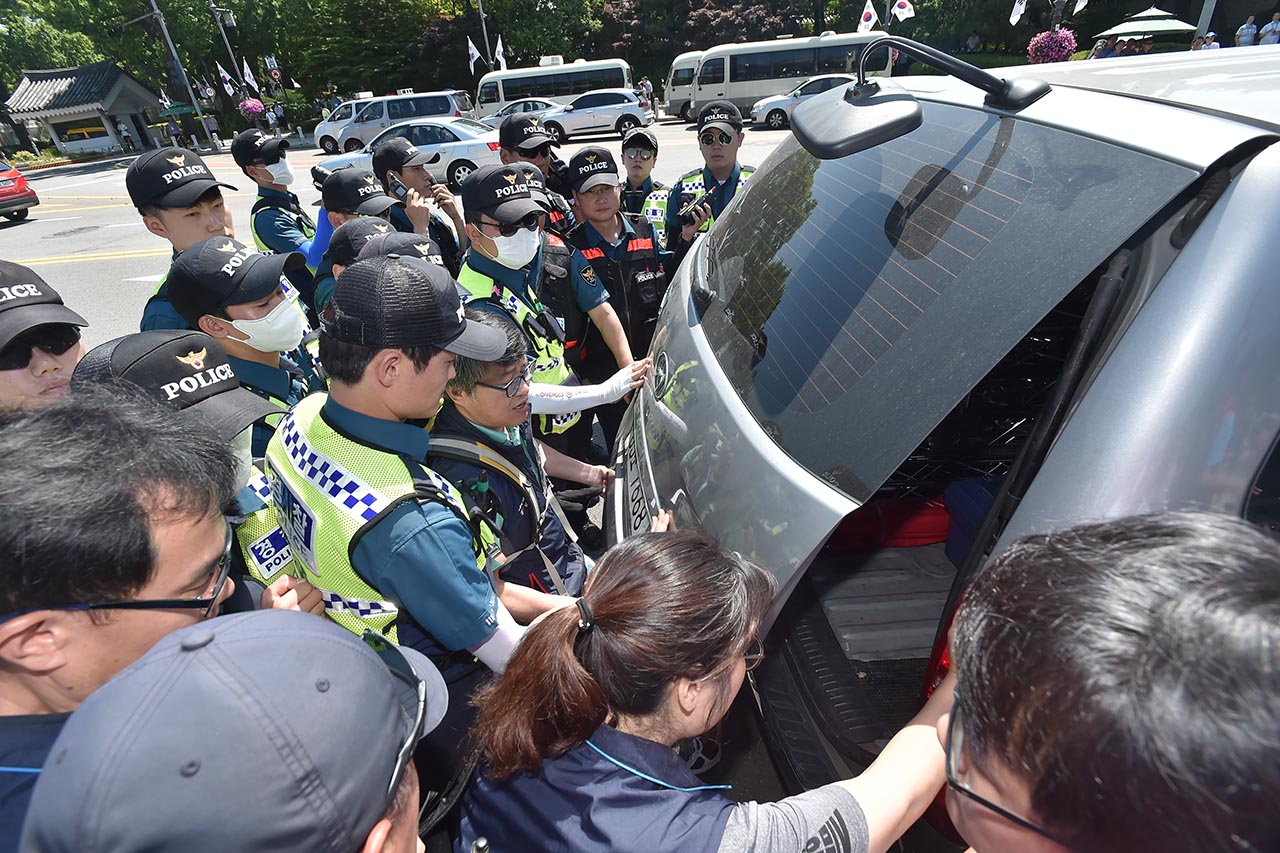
742 134
36 642
472 231
458 396
335 218
388 366
377 840
214 326
685 694
338 270
507 156
155 226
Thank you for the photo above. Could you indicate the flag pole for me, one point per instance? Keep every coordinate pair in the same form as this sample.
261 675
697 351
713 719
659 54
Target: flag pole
484 30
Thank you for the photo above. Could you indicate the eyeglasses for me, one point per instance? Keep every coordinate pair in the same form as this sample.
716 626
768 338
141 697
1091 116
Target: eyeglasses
400 669
754 655
529 223
543 150
512 388
638 153
714 137
206 601
955 747
55 339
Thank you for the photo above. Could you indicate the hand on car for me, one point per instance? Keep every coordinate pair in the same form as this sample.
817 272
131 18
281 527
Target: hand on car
663 522
290 593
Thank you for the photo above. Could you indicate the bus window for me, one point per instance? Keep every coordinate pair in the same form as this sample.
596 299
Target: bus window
488 93
712 72
750 66
793 63
682 77
838 59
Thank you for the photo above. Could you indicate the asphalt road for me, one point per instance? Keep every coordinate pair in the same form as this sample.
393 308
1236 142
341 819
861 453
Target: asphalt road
87 240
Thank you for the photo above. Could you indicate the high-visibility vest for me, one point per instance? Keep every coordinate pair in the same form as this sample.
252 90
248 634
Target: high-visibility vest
655 206
262 542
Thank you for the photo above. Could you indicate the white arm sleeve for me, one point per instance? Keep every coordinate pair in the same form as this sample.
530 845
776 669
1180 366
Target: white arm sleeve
562 399
496 649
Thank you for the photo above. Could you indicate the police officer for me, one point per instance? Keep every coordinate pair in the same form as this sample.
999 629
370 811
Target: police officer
673 212
624 257
639 156
39 340
277 221
235 294
398 159
344 247
387 540
522 138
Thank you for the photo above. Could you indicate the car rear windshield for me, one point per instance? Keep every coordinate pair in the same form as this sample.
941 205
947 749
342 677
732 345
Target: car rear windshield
5 167
858 300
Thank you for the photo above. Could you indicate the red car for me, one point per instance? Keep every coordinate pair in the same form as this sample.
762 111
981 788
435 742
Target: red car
16 197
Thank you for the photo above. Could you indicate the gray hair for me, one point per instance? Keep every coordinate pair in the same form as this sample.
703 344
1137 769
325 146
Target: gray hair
468 372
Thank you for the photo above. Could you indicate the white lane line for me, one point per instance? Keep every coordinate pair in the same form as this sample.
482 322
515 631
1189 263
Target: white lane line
98 179
122 225
56 218
149 279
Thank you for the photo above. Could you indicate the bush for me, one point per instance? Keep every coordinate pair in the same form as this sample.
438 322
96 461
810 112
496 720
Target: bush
1052 46
22 155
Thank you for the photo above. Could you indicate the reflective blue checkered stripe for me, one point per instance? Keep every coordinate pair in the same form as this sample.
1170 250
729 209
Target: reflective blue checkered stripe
345 489
259 486
655 210
337 604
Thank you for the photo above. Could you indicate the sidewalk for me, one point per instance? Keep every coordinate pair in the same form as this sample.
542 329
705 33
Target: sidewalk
122 161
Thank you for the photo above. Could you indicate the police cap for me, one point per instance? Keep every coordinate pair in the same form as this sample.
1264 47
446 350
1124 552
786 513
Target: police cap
722 115
403 244
26 301
219 272
399 153
592 167
252 146
354 190
169 177
523 132
351 236
501 192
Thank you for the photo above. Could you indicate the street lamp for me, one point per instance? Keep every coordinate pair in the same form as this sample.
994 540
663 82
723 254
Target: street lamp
224 18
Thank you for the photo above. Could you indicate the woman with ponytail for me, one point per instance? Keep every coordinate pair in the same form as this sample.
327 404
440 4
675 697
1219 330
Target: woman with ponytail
577 735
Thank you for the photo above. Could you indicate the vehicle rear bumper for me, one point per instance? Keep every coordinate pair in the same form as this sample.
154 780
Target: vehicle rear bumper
8 204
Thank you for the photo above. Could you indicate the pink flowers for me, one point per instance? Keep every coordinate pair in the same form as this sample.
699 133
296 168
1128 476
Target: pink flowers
1052 46
251 108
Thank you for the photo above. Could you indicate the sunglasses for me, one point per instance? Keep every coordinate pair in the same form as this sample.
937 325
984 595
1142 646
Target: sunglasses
543 150
55 339
714 137
401 670
512 388
638 154
529 223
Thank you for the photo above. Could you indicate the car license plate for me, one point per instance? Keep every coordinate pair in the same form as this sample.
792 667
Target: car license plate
638 508
4 184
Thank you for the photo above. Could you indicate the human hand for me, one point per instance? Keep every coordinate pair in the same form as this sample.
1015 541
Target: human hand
662 522
290 593
599 475
446 201
418 208
701 214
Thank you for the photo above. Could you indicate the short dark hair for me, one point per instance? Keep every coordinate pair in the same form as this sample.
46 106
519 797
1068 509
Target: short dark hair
469 371
346 362
1127 671
80 485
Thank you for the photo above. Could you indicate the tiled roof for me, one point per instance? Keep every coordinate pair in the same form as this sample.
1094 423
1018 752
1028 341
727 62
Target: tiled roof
64 88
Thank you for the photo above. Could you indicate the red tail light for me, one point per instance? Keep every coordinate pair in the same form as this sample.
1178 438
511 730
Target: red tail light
644 105
457 113
493 146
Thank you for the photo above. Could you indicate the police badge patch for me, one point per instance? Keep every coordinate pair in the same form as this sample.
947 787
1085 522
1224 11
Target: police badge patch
589 276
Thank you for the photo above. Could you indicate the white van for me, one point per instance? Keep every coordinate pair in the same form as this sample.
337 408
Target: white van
327 131
377 114
677 92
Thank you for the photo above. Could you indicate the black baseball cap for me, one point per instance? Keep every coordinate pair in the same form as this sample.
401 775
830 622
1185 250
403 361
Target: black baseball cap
169 177
216 273
502 192
591 167
350 237
355 191
185 370
521 131
396 154
396 302
403 244
537 185
253 145
640 137
720 114
26 301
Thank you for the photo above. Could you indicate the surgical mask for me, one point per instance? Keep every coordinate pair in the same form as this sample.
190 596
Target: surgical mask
242 448
281 172
516 251
279 331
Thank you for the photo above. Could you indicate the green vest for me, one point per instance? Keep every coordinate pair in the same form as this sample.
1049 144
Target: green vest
655 206
263 544
300 217
548 351
328 491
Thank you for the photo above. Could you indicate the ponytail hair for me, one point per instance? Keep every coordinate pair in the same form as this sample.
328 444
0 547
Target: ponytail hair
657 607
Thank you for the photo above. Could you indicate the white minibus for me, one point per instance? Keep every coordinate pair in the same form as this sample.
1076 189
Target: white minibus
557 83
678 90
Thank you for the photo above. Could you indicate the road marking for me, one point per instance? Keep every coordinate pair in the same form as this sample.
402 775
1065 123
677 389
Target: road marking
56 218
149 279
122 225
95 256
96 180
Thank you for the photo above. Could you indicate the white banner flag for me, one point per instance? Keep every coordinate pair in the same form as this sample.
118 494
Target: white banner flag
295 83
227 83
869 18
473 53
1080 4
902 9
248 76
500 55
1019 6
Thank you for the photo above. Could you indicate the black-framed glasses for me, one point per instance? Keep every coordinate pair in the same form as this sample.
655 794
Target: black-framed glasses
402 670
529 223
638 153
55 339
754 655
955 746
512 388
714 137
543 150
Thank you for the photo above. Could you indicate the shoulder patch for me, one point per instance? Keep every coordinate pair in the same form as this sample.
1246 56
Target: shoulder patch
554 239
589 275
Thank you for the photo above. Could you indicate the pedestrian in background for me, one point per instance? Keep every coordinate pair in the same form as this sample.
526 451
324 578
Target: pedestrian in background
1270 33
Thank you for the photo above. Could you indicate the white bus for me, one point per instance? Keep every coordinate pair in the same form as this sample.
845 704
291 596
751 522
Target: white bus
678 90
557 83
745 73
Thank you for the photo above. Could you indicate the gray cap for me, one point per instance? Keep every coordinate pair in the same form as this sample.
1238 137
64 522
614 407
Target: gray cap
272 730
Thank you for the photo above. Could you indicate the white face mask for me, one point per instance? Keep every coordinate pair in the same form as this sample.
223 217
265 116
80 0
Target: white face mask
279 331
517 251
242 447
281 172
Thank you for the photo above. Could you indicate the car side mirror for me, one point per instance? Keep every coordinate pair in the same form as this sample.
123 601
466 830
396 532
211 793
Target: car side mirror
568 108
854 117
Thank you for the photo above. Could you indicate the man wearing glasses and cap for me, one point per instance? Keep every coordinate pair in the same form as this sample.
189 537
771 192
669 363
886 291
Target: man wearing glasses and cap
523 139
277 221
114 535
207 744
691 206
639 156
39 340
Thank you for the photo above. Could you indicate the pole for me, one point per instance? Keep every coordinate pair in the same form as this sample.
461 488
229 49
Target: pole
488 57
173 51
217 19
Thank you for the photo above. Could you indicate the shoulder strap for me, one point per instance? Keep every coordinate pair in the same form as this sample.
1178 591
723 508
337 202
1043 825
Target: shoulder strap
270 201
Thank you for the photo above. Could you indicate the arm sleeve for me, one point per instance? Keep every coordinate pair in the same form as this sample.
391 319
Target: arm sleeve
320 242
826 818
420 559
562 399
585 294
496 649
279 232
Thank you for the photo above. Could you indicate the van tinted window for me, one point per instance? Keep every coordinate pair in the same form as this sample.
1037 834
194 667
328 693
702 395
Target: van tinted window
905 272
712 71
488 93
682 77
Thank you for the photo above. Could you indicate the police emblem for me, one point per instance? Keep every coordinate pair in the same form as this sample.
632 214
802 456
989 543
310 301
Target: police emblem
511 179
229 248
195 359
591 158
381 227
589 275
177 161
369 179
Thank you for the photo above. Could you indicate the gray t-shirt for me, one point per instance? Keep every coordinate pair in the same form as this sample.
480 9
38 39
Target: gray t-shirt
826 819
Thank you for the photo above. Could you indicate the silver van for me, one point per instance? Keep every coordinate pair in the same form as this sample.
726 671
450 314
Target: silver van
327 131
947 313
377 114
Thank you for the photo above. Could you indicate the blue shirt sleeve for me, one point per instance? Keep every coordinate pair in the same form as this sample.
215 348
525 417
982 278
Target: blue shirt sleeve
160 314
588 290
278 230
673 216
420 558
320 242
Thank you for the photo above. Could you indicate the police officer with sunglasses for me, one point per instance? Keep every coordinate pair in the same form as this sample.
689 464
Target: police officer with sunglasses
39 340
639 156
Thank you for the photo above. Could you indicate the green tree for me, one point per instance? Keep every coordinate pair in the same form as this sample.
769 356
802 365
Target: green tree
34 43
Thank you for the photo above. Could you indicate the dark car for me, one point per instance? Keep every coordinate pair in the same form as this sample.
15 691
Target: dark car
16 196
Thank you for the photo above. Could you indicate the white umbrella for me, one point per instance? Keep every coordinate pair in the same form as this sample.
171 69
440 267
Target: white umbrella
1131 28
1153 12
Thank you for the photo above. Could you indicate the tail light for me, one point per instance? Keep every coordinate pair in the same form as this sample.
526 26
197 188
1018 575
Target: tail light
644 105
493 146
457 113
939 665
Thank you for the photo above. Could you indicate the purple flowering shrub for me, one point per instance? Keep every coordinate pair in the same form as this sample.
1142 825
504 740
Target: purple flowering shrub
1052 46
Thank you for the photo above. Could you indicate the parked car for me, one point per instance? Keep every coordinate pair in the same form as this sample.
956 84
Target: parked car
463 145
326 132
377 114
16 196
775 111
524 106
599 111
967 316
